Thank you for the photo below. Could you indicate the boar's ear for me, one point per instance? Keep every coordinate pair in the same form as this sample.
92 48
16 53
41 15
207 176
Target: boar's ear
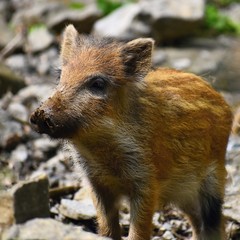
137 57
69 43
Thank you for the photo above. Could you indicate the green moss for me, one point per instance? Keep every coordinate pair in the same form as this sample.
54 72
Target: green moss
222 3
76 5
216 23
35 27
108 6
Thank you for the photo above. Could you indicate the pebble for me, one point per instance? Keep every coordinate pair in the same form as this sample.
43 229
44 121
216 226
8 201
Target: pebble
82 209
39 39
48 229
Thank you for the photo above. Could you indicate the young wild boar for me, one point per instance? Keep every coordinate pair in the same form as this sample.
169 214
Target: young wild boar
156 137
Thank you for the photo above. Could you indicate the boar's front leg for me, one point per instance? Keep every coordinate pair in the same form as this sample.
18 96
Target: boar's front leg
143 204
106 203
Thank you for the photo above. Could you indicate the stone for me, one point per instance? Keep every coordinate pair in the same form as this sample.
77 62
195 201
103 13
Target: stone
16 62
10 131
161 19
232 12
228 71
9 81
26 200
30 199
34 12
18 111
231 208
82 209
172 19
83 20
119 23
6 210
5 33
48 229
39 39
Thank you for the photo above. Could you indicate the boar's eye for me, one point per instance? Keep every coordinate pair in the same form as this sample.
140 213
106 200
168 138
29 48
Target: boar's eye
97 85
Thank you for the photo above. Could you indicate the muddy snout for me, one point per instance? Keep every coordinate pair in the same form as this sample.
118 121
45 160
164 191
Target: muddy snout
42 121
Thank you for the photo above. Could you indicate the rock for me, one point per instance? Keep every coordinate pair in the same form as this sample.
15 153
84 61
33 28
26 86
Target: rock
10 131
18 157
39 39
18 112
34 12
33 94
6 210
83 20
9 81
161 19
26 200
48 229
55 168
45 144
231 207
77 210
16 62
47 60
232 12
5 33
168 235
119 24
170 19
228 72
30 199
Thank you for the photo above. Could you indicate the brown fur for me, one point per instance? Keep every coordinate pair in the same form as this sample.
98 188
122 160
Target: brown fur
154 136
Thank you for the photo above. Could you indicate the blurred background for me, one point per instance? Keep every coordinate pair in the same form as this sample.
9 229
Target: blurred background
198 36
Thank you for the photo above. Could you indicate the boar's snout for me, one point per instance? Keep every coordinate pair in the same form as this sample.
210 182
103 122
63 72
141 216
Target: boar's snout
42 121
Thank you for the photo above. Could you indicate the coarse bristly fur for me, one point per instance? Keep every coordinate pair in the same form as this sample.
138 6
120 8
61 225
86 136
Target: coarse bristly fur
157 137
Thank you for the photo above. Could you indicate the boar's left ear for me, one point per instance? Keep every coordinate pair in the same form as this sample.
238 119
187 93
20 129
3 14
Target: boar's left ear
69 43
137 57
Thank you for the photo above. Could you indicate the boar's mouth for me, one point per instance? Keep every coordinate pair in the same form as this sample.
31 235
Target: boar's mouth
45 123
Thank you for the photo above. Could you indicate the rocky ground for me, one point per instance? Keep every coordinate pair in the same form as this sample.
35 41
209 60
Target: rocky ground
35 171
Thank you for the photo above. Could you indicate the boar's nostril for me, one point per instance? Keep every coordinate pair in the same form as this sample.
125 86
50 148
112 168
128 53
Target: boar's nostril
49 123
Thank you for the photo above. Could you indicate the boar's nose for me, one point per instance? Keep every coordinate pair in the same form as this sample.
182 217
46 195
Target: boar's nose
41 121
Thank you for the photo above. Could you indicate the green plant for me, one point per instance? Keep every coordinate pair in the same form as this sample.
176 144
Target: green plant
217 23
222 3
108 6
35 27
76 5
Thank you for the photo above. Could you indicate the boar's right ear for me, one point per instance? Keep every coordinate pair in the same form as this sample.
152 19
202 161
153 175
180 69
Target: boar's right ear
137 57
69 43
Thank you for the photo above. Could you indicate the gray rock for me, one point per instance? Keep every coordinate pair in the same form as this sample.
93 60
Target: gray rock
17 61
45 144
161 19
83 20
19 155
170 19
39 39
18 111
26 200
9 81
32 95
228 72
30 199
5 33
119 24
10 131
34 12
6 210
47 60
82 209
48 229
232 12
